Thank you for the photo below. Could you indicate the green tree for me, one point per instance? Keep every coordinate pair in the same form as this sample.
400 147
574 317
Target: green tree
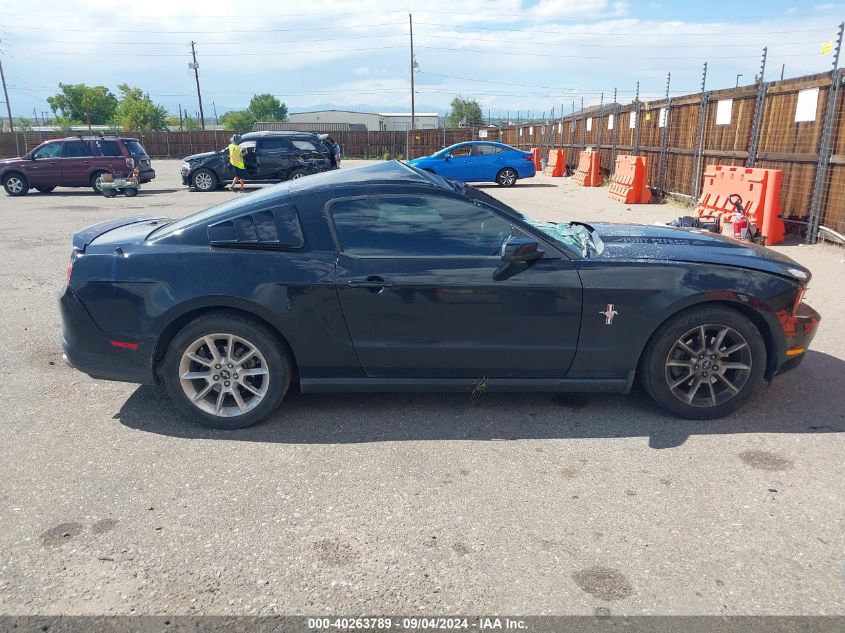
266 107
136 111
64 123
239 121
78 102
465 112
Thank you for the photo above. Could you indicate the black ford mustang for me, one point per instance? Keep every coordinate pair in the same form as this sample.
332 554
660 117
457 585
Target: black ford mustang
387 278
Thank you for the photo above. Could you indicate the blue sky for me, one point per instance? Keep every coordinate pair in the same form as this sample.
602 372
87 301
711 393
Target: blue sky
526 55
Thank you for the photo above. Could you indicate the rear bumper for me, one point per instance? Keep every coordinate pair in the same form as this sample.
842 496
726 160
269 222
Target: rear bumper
90 350
800 329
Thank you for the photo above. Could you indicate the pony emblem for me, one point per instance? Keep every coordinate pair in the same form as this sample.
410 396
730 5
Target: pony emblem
609 314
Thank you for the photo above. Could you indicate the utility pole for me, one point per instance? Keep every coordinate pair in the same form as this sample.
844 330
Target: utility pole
413 110
9 110
196 67
825 147
737 79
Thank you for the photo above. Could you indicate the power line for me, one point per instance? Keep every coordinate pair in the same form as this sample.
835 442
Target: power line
611 33
225 31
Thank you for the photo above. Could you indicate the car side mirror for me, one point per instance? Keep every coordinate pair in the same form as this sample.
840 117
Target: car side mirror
521 249
447 156
31 157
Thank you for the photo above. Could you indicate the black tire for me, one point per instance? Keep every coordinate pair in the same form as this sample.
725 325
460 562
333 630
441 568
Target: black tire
273 358
507 177
109 193
297 174
679 350
204 180
93 181
15 184
130 192
45 189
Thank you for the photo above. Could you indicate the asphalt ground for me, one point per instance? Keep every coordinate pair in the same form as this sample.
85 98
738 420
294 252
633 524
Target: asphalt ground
110 503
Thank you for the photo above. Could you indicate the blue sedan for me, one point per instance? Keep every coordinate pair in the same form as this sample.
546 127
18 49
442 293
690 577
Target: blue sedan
479 161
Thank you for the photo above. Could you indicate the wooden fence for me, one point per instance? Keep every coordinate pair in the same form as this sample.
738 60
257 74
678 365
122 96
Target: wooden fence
677 152
782 143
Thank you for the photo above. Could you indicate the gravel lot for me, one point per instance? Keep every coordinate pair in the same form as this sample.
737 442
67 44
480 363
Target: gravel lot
406 504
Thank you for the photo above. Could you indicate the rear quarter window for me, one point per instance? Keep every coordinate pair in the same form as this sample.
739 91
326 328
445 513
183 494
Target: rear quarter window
302 144
135 148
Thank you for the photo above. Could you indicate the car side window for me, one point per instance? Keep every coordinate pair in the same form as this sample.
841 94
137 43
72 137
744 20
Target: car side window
489 150
274 145
108 148
77 149
418 226
302 144
50 150
462 151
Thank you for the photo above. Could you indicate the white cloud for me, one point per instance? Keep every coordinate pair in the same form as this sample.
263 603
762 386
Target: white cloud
351 52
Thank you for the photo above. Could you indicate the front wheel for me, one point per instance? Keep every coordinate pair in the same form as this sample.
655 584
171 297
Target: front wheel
226 371
130 192
506 177
296 174
16 184
204 180
704 363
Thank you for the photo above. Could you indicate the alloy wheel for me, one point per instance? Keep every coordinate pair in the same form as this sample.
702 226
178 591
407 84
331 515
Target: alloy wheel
224 375
14 185
507 177
708 365
203 181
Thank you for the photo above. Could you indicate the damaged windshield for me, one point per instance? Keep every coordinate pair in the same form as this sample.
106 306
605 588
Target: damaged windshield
577 236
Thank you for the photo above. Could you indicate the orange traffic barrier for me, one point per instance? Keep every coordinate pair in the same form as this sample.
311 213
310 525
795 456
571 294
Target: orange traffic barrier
759 190
537 165
556 163
588 173
629 180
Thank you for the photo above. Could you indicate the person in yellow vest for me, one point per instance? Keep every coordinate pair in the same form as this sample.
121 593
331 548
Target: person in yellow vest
236 160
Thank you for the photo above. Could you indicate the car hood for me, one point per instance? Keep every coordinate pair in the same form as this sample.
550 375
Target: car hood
204 155
9 161
658 242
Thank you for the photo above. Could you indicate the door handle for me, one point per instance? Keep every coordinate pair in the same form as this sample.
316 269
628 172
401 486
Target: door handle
369 282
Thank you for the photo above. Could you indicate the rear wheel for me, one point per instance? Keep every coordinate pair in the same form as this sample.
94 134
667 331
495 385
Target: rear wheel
16 184
45 189
704 363
226 371
296 174
94 182
204 180
506 177
130 192
109 193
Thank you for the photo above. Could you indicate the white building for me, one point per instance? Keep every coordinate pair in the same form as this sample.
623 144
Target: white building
372 121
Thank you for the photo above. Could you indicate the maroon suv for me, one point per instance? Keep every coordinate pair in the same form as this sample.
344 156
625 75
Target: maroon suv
74 162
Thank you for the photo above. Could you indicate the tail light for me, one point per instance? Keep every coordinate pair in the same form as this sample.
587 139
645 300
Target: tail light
799 297
529 157
74 255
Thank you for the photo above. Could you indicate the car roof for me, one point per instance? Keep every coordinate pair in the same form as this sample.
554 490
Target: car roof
388 172
496 143
94 137
264 134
